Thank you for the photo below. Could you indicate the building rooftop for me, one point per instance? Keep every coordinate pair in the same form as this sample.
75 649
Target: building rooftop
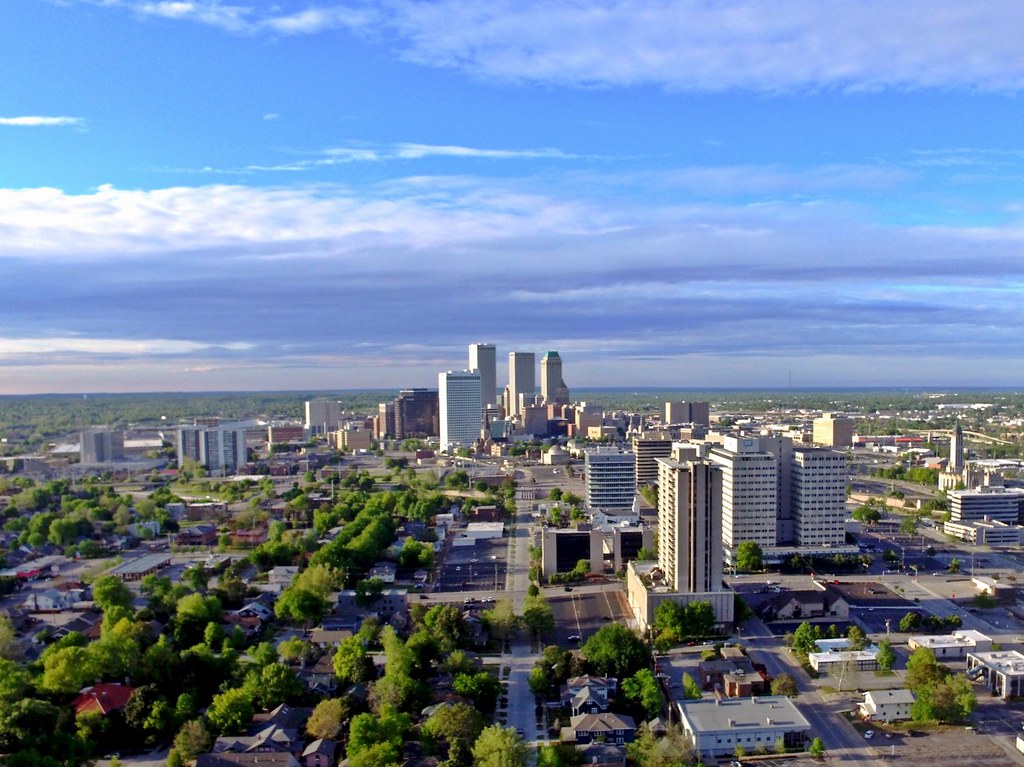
739 713
878 697
1009 662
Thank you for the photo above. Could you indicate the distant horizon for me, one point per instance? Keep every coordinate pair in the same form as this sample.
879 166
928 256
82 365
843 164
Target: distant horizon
583 389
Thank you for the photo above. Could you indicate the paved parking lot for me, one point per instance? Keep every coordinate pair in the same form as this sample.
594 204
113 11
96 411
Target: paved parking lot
581 614
480 567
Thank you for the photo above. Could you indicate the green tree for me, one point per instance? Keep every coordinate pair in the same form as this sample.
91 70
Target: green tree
192 739
231 711
644 689
538 616
327 718
499 747
691 690
351 663
886 657
447 625
458 723
867 515
109 591
482 687
908 526
784 684
387 728
817 749
805 637
301 605
501 619
954 565
614 650
749 557
923 671
910 622
857 638
671 750
271 685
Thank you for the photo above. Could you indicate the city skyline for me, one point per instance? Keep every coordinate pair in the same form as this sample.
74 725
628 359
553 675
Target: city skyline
204 196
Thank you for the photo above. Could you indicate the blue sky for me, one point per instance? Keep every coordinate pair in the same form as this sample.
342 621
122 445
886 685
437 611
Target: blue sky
201 195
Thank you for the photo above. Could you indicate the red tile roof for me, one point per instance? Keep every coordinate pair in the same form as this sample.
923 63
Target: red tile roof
102 698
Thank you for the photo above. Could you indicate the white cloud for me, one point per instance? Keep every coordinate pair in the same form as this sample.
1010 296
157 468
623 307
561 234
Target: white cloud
793 45
401 151
34 121
695 45
118 346
270 116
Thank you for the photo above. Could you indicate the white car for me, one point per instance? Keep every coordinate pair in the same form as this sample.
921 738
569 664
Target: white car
869 734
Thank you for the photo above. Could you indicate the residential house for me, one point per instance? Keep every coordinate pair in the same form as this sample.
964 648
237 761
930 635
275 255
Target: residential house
329 638
605 727
102 698
50 601
251 617
251 537
603 755
320 753
588 694
383 571
203 534
887 705
278 730
320 678
264 759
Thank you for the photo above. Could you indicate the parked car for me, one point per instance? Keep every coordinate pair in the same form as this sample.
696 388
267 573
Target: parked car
869 734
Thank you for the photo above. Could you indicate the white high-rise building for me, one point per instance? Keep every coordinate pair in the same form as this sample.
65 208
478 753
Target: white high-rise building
522 379
690 525
483 357
750 494
818 493
461 412
322 415
610 480
220 449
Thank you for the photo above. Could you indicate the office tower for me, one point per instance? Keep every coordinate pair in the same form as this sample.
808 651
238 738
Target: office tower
832 431
522 381
648 448
552 388
461 411
384 424
818 494
697 413
101 446
956 450
483 357
610 480
1003 504
534 420
220 449
750 486
416 414
690 525
322 415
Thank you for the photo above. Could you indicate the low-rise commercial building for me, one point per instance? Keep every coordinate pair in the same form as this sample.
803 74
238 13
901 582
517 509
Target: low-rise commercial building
1002 672
835 661
953 646
718 727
